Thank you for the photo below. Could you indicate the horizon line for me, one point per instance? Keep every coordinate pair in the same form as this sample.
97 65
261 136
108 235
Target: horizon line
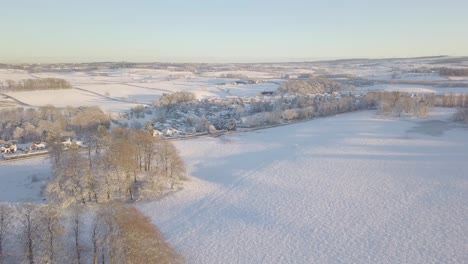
252 62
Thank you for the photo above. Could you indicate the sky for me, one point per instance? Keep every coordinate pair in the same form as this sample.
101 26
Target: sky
48 31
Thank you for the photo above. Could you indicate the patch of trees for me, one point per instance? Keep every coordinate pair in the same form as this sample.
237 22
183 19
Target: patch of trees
233 76
452 100
37 84
120 165
113 233
141 241
30 124
285 109
445 71
139 111
398 103
229 113
171 99
316 85
461 115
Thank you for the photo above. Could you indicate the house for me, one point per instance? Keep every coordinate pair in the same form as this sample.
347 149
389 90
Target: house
157 133
8 148
38 145
67 142
171 132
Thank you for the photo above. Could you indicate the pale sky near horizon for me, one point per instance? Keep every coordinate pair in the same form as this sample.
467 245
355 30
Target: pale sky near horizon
229 31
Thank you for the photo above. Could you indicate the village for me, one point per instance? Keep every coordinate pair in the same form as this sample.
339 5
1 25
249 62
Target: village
219 115
211 116
14 150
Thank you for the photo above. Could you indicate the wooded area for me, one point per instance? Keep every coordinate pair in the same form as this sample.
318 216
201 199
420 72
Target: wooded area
37 84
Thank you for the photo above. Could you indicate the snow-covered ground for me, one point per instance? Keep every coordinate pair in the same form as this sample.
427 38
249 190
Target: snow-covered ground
132 86
70 97
352 188
414 88
6 102
22 181
132 93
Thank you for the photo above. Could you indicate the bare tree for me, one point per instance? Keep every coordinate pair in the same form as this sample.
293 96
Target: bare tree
30 231
51 223
76 227
141 241
5 225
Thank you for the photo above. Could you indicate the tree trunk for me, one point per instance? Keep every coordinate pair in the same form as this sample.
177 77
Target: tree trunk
1 251
51 243
30 251
130 190
103 256
77 242
95 252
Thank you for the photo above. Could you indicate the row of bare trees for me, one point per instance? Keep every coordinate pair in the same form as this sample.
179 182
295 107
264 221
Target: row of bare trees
446 71
100 234
120 165
452 100
37 84
399 103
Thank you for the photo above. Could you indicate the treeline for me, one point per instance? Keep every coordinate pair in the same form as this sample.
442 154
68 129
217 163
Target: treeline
30 124
452 100
37 84
208 115
445 71
398 103
302 107
120 165
315 85
459 101
101 234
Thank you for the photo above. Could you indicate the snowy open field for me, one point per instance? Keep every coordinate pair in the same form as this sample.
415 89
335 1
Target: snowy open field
116 88
120 89
353 188
414 89
22 181
70 97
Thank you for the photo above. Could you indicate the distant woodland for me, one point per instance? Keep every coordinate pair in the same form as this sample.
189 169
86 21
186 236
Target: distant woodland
315 85
37 84
453 71
443 71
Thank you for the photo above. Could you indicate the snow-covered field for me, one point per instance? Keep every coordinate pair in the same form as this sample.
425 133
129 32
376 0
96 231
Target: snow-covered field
70 97
414 88
352 188
22 181
116 89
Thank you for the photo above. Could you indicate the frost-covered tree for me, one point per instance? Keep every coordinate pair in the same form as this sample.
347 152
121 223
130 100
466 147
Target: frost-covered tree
30 231
52 230
6 217
314 85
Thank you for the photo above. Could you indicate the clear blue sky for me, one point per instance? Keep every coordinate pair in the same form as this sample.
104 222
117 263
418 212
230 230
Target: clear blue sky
230 30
